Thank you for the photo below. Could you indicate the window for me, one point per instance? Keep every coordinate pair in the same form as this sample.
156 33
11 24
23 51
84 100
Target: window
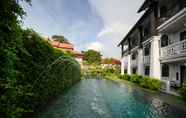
164 40
147 50
183 36
134 55
134 70
125 71
146 32
163 12
147 70
165 70
177 76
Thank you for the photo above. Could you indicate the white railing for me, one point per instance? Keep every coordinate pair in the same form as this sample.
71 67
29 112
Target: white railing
174 50
146 60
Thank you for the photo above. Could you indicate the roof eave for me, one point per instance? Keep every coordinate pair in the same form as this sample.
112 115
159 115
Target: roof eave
145 5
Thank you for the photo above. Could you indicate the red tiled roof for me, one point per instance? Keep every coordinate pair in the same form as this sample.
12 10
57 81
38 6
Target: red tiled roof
68 47
111 61
77 54
65 45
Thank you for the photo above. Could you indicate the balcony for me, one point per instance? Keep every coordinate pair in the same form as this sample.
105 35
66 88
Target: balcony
146 60
173 23
174 50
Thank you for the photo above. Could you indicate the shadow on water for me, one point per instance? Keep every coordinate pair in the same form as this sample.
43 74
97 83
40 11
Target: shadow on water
99 98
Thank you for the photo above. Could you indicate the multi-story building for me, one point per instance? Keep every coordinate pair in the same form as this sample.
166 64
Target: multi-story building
111 63
68 48
156 45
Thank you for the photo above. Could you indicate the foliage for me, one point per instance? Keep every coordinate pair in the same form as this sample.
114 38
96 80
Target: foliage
92 57
150 83
29 78
136 79
183 91
59 38
110 70
145 82
43 73
125 77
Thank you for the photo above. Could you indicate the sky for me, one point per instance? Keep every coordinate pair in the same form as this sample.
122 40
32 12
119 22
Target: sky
88 24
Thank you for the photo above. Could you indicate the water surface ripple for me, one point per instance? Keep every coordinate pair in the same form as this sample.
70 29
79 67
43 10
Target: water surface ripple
94 98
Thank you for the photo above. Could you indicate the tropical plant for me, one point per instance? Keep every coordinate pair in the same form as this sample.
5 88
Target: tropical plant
29 78
92 57
136 79
125 77
183 91
59 38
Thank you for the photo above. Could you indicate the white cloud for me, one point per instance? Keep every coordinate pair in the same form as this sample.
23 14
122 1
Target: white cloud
97 46
118 17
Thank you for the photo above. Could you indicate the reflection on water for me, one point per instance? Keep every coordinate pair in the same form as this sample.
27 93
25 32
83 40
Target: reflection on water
107 99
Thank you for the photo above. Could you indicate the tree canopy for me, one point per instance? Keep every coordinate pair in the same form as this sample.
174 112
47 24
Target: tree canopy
92 57
32 72
59 38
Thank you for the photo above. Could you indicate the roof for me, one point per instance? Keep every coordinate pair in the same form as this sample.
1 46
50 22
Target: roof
111 61
77 54
135 26
65 45
145 5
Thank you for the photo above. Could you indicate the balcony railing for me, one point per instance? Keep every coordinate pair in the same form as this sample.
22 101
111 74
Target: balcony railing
146 60
174 50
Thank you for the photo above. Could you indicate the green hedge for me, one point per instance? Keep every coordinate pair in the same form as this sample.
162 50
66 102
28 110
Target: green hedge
183 91
136 79
145 82
125 77
41 74
150 83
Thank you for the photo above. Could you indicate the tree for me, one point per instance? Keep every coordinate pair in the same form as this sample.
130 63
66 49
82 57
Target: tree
10 45
59 38
92 57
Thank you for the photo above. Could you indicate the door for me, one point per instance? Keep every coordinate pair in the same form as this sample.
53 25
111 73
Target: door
183 74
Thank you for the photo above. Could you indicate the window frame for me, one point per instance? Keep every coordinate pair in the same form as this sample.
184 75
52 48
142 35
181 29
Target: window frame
182 35
147 73
164 40
165 70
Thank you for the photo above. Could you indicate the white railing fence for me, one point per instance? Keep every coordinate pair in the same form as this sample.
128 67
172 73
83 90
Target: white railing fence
174 50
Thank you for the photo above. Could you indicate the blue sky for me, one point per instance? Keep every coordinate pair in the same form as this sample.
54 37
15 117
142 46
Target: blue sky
88 24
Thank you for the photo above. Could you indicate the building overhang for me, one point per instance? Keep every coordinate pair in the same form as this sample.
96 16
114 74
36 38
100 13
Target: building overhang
138 23
179 59
174 23
145 5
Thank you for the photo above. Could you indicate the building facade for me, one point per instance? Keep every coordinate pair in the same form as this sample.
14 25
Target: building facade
156 45
68 48
111 63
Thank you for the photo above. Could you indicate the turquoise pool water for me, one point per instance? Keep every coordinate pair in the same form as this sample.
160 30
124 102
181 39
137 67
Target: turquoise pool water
96 98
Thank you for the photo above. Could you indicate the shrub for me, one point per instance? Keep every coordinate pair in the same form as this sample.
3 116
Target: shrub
24 85
183 91
144 82
155 84
136 79
43 74
150 83
125 77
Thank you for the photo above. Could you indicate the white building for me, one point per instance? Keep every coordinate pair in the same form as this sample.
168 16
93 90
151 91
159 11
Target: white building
156 45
